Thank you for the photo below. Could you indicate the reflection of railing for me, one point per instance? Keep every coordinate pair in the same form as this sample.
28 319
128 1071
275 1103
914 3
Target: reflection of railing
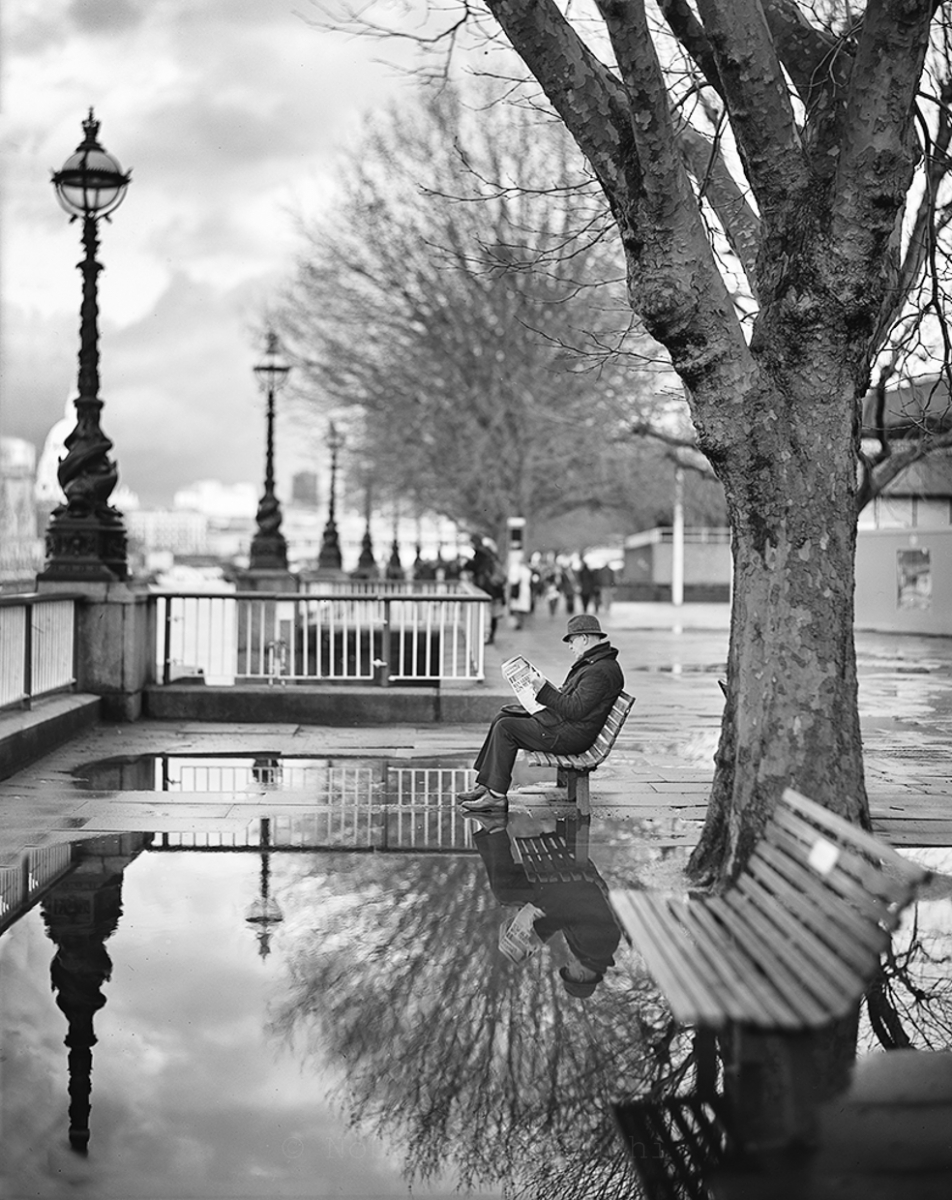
381 828
36 646
311 636
21 885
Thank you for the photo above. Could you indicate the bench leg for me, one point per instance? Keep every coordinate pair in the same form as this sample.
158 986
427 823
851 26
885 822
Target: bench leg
576 788
581 796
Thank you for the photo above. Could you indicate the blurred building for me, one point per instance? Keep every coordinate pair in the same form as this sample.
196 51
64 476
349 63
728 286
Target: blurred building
21 546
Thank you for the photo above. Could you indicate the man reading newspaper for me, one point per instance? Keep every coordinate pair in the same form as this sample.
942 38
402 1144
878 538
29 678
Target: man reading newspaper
568 723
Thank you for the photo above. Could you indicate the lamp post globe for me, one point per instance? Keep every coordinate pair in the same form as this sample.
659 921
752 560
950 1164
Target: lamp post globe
269 549
86 538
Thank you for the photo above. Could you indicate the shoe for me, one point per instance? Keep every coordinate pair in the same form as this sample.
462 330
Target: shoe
479 790
487 802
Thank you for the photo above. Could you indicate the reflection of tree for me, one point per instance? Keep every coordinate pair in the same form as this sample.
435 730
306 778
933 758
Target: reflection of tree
909 1004
461 1058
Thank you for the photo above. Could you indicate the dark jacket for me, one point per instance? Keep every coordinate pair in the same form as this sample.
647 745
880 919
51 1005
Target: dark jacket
586 696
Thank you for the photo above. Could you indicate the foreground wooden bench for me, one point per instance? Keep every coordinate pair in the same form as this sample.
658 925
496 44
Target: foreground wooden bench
794 942
574 769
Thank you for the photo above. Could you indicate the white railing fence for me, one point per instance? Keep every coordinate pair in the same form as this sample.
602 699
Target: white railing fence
37 870
304 637
37 639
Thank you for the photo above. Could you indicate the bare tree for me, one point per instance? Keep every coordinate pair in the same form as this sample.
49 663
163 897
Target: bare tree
463 1061
760 160
463 297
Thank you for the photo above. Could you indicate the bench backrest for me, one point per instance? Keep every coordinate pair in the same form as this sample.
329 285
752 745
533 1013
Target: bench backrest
831 872
600 748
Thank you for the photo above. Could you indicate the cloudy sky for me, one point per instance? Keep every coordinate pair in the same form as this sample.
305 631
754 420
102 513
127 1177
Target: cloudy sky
229 113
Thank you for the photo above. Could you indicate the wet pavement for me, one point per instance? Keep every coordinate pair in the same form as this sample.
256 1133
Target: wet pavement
269 963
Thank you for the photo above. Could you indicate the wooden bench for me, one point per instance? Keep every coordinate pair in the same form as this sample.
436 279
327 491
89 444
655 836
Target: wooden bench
794 942
574 769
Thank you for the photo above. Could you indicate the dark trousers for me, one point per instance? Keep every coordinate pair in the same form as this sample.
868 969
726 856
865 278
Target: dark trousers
508 735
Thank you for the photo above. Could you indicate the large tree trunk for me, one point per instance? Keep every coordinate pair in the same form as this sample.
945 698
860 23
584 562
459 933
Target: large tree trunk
791 712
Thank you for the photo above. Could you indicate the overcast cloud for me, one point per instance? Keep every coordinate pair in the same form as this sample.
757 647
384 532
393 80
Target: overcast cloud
229 113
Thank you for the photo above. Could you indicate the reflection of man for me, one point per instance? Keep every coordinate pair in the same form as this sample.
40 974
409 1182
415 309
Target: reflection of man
569 723
577 908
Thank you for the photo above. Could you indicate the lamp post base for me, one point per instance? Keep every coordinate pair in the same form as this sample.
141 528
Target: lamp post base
329 560
89 548
269 552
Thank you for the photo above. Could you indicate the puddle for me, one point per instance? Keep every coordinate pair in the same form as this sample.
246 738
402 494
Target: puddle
270 1011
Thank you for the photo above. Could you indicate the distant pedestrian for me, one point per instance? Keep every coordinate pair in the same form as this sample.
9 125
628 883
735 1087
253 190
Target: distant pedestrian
569 587
489 577
587 587
606 586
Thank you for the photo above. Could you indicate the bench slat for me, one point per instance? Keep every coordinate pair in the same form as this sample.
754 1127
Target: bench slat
860 872
766 961
842 829
756 1000
844 920
647 919
805 911
779 942
821 957
843 898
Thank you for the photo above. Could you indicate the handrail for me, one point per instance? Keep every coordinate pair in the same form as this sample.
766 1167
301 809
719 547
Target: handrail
12 599
475 597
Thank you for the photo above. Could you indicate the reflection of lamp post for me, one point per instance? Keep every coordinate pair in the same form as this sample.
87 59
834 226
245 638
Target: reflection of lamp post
269 549
264 911
329 558
86 538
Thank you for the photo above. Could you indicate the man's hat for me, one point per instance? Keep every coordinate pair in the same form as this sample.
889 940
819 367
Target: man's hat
583 623
580 989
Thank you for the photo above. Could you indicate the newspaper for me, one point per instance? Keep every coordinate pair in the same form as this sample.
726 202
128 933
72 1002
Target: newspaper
518 939
519 673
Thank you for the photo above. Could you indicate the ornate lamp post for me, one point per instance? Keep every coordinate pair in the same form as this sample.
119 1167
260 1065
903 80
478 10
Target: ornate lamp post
86 538
329 558
269 549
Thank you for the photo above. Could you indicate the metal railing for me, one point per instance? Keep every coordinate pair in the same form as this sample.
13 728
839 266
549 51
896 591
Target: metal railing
387 587
37 646
304 637
21 885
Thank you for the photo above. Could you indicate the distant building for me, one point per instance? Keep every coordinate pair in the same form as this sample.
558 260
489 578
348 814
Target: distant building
21 547
904 538
304 493
182 533
649 563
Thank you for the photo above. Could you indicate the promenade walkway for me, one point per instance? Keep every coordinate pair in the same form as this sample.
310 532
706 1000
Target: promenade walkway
659 772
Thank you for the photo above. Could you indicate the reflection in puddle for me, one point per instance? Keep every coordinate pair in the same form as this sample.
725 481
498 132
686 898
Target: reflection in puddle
278 1012
372 1035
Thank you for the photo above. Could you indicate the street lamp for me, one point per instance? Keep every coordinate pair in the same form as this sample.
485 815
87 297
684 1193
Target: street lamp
269 549
86 538
329 558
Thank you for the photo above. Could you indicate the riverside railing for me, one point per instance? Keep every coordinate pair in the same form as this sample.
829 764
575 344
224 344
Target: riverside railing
23 884
316 636
37 646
